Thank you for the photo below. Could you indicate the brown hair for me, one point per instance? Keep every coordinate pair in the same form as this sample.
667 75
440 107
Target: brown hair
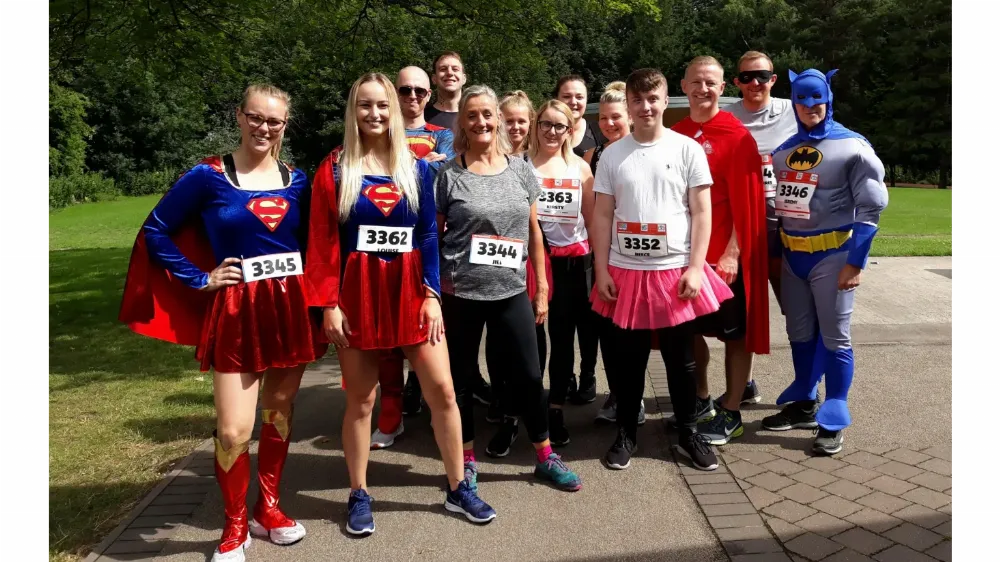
565 79
501 142
754 55
645 80
271 92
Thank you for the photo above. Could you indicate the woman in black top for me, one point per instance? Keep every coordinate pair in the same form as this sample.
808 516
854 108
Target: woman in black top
572 91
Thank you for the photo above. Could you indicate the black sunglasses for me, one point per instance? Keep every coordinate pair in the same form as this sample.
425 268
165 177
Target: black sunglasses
760 76
405 91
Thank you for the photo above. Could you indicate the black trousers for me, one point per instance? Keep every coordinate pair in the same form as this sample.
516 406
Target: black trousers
626 354
570 315
510 323
497 366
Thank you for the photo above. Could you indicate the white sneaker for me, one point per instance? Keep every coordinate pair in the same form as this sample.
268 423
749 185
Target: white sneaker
234 555
382 440
280 535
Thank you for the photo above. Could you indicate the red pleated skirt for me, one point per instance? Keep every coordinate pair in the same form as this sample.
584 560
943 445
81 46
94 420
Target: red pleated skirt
647 300
253 326
381 300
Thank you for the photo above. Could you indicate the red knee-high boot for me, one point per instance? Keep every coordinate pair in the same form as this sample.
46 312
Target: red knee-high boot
232 470
268 519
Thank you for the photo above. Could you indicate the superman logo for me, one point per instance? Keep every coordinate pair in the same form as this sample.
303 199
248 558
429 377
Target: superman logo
384 196
804 158
270 210
421 145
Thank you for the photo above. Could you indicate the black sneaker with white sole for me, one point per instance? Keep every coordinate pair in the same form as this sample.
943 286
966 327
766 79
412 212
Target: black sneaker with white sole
751 395
828 442
481 391
609 411
505 436
797 415
587 392
696 447
619 456
704 411
495 413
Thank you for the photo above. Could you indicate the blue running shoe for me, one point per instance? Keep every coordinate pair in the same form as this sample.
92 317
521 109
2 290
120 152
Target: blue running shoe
472 475
359 513
554 469
465 501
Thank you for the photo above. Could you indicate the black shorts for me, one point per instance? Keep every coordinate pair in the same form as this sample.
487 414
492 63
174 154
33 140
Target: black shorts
729 323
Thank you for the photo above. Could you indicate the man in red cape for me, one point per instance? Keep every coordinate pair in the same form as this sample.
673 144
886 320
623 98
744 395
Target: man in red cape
156 305
737 248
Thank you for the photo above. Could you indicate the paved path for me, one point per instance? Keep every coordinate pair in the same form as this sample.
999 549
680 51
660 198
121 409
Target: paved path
887 496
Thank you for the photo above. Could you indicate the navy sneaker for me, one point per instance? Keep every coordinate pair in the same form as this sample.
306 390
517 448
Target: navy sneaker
704 411
464 500
359 513
723 427
751 395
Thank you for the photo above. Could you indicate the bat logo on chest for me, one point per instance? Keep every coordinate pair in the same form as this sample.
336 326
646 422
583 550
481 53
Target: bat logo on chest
804 158
270 210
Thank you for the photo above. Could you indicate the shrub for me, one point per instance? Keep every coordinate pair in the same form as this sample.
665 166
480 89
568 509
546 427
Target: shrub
79 188
148 183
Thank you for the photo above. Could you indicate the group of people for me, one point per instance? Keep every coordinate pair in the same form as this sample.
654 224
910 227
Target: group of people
432 222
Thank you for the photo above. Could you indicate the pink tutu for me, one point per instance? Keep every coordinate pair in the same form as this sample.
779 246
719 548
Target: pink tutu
647 300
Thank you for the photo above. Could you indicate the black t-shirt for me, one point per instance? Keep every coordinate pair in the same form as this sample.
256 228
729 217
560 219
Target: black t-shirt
591 137
435 116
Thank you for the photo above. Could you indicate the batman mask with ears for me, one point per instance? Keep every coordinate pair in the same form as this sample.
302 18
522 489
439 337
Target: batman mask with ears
811 88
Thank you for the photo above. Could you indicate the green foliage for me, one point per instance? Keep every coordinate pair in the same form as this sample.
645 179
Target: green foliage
68 131
80 187
149 183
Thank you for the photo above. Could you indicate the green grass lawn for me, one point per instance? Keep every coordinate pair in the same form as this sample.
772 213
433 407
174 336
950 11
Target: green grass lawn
917 222
123 408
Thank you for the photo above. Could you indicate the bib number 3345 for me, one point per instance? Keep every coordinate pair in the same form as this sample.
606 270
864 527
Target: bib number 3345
496 251
272 265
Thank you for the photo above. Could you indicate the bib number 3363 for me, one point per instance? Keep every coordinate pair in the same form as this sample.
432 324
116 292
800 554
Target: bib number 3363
496 251
642 239
385 239
795 191
272 265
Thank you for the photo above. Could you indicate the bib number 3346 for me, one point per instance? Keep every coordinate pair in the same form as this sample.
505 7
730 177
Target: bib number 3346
795 191
272 265
496 251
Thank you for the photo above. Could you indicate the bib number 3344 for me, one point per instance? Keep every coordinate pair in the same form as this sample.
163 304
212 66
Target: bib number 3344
642 239
496 251
272 265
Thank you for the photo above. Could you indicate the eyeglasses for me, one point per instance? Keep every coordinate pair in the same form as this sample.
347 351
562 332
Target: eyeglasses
546 126
256 121
760 76
406 91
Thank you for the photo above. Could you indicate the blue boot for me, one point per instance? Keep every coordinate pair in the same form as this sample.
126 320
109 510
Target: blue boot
833 415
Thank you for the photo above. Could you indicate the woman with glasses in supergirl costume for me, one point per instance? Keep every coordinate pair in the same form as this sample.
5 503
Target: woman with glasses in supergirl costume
218 264
829 199
373 268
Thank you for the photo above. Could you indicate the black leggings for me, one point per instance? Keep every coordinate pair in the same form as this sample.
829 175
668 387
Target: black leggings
570 314
509 322
626 353
497 366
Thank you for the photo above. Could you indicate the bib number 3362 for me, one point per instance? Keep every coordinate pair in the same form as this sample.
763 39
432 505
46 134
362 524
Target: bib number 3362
385 239
272 265
496 251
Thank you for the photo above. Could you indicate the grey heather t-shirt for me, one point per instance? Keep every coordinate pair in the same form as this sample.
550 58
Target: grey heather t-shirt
495 205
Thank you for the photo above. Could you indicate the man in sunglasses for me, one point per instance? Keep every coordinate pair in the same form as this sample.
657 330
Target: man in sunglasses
433 144
770 121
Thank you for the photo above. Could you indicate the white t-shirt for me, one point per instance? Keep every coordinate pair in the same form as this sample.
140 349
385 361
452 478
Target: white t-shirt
559 197
650 183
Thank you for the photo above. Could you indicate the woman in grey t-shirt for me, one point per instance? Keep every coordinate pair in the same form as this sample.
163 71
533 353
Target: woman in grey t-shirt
486 208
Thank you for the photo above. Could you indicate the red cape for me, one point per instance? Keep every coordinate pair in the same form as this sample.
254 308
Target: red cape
155 304
735 157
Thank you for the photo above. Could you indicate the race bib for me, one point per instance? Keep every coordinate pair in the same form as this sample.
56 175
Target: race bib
559 201
795 191
496 251
385 239
770 183
272 265
642 239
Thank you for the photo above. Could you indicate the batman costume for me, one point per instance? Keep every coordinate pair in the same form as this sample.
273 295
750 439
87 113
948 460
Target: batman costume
829 198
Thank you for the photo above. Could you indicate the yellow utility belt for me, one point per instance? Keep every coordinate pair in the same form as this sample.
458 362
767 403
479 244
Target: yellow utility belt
816 243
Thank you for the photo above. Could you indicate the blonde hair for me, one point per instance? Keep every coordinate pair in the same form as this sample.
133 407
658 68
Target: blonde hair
753 55
518 98
614 93
566 149
400 159
501 142
704 60
270 91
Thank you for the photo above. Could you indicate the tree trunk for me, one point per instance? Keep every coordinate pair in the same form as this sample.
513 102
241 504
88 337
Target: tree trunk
943 172
892 175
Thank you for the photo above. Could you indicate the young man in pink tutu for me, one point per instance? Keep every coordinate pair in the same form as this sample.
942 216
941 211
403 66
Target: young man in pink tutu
650 233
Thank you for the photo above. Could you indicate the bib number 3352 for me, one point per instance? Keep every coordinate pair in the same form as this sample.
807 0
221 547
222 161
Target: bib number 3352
272 265
641 239
496 251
